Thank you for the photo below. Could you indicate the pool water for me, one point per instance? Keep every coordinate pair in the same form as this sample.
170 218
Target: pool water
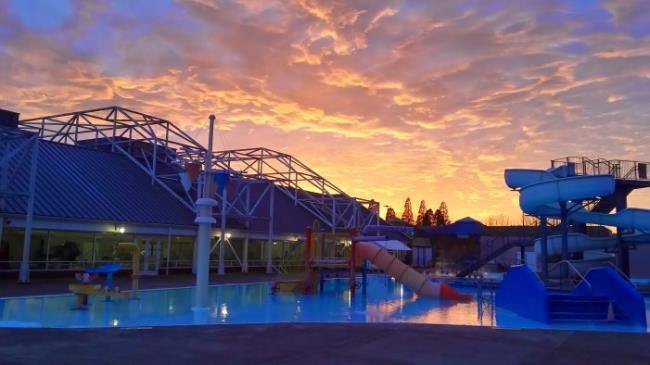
385 300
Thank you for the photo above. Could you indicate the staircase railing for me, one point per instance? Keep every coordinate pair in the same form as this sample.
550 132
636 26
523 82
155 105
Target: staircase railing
490 256
572 267
622 273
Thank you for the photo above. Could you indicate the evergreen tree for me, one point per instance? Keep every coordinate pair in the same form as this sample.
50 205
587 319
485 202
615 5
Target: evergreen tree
407 216
421 211
438 219
390 215
428 219
444 214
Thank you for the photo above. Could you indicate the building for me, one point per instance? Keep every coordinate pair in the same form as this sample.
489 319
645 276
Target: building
74 185
467 245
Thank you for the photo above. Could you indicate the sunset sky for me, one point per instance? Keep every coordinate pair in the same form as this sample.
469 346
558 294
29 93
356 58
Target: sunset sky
387 99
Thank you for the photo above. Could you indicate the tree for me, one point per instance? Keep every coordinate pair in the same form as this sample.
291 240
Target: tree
407 216
390 215
428 219
438 219
421 211
444 213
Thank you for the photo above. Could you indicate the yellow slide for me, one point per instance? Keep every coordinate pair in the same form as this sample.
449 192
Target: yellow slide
417 282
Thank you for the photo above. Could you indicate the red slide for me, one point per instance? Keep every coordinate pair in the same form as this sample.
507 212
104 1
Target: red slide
405 274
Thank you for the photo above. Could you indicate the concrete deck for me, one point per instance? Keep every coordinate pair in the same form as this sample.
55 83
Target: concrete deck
321 344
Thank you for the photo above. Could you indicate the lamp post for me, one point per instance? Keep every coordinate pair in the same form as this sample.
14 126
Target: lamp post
205 220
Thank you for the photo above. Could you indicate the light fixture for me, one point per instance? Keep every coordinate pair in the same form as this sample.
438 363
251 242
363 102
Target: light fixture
228 235
120 228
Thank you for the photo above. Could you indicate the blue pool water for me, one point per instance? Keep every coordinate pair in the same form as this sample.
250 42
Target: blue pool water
384 301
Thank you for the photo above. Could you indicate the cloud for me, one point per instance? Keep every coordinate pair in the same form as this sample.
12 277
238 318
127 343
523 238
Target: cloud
430 100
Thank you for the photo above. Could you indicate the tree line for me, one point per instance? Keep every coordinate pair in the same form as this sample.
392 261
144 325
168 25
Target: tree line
425 217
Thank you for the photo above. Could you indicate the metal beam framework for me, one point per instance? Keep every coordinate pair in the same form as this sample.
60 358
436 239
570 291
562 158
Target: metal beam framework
163 150
303 185
155 145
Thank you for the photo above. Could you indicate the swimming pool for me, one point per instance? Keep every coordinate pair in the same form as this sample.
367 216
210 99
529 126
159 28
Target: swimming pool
385 300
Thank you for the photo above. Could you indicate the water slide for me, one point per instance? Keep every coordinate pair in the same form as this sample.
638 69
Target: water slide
417 282
542 190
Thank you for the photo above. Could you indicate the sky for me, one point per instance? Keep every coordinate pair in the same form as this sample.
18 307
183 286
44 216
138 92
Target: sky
387 99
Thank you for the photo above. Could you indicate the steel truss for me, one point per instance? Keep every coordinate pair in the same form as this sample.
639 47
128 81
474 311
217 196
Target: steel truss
303 185
155 145
163 150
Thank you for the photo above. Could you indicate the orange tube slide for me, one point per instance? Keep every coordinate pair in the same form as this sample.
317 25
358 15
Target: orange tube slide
405 274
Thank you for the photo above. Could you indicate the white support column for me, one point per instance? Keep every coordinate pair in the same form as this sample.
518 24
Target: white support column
23 275
169 249
224 202
205 220
146 255
244 266
157 256
269 243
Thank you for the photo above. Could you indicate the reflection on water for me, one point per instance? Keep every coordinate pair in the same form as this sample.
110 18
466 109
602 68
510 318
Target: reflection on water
384 300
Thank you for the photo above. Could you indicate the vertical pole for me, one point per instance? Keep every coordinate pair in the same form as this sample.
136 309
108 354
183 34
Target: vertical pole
23 275
205 220
623 256
269 242
47 251
307 255
169 249
543 222
222 241
353 261
565 239
94 255
157 256
244 267
147 254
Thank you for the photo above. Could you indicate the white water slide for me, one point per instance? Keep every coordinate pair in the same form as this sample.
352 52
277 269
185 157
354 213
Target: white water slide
541 191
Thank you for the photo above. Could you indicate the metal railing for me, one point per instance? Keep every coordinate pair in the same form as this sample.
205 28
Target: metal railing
624 275
572 267
620 169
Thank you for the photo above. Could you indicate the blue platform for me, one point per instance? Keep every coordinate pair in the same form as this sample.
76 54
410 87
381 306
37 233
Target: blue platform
603 296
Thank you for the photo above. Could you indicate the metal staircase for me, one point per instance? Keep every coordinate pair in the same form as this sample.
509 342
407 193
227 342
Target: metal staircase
570 307
491 256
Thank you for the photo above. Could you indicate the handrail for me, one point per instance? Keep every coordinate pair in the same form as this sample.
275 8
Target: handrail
573 268
620 272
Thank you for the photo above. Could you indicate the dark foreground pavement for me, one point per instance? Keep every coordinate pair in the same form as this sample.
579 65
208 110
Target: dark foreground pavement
320 344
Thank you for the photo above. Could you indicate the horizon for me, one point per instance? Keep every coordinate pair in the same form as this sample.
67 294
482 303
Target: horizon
387 100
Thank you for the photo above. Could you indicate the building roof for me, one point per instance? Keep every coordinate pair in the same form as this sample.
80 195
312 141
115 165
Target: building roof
85 184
